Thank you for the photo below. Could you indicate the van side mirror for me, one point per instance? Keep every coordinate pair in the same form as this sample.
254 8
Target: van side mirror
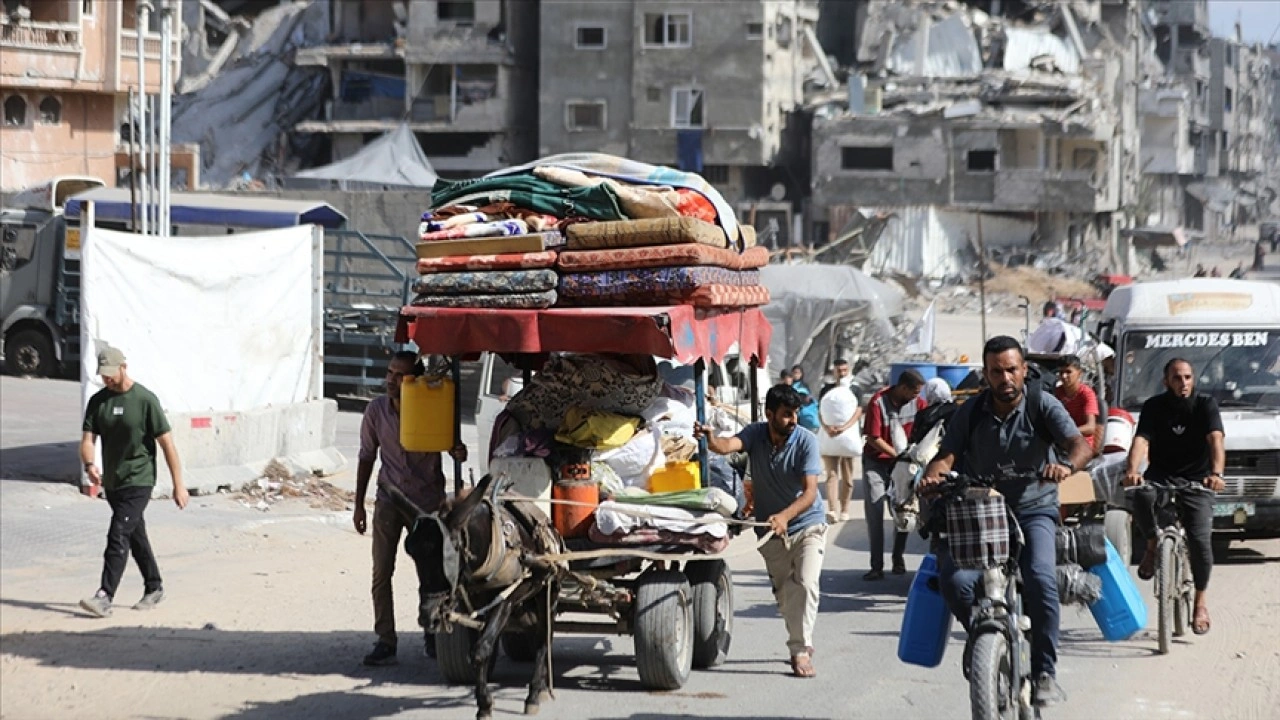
1105 331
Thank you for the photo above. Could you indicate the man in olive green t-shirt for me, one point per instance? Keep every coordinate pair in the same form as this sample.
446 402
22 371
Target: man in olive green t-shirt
131 423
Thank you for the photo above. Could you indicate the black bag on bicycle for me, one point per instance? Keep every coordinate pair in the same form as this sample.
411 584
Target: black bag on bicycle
1084 544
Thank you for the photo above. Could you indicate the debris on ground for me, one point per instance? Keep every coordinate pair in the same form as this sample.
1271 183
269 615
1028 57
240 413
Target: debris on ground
278 482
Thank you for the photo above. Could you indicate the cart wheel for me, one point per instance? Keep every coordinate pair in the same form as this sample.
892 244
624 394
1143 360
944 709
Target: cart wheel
663 629
1116 528
712 584
453 655
521 647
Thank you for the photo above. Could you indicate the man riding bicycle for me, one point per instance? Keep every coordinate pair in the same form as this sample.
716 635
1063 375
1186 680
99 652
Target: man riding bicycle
1180 433
1005 430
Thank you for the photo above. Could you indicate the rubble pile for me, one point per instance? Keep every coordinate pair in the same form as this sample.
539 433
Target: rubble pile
279 483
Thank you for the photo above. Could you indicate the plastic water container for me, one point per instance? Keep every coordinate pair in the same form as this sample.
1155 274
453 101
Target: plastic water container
928 371
1120 612
676 476
954 374
426 414
926 624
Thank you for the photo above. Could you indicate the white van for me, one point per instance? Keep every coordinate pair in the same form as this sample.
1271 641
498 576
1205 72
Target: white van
1230 332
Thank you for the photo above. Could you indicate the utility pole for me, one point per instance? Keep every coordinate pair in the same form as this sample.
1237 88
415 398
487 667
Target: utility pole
982 277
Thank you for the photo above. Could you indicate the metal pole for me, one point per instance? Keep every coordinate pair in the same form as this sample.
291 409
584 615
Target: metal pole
982 278
144 19
456 366
166 101
154 169
700 402
755 389
133 168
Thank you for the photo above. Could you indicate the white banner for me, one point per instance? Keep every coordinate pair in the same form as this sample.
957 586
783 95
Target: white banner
226 323
920 340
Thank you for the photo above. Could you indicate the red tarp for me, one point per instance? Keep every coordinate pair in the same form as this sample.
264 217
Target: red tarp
680 332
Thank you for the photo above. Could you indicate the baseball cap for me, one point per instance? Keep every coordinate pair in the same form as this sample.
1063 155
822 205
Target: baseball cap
109 361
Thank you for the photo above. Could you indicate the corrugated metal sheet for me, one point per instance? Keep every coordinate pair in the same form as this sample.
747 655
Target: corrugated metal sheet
1022 45
931 242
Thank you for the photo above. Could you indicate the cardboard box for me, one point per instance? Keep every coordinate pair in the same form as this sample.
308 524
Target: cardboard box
1077 489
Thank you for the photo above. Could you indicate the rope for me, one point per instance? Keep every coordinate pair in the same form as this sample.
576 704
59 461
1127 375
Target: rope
648 555
636 511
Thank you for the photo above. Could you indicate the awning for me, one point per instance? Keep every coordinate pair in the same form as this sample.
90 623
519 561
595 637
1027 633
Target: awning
234 211
679 332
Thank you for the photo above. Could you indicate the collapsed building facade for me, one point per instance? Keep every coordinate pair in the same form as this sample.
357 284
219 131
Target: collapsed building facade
966 129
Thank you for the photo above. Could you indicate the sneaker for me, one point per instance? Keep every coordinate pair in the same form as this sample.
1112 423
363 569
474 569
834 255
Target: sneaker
150 600
97 605
899 567
874 575
383 654
1047 691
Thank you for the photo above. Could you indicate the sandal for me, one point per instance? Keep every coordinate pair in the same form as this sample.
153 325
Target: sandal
1201 624
1147 568
802 666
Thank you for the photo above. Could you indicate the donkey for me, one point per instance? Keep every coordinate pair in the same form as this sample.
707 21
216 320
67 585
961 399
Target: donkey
482 568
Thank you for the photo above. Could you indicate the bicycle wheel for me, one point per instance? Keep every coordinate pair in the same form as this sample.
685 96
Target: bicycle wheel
991 686
1182 592
1166 592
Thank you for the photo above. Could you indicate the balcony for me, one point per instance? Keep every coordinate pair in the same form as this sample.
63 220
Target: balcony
150 45
1190 61
1030 189
374 108
48 37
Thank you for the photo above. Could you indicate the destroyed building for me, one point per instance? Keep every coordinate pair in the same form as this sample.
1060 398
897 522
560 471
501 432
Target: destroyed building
710 87
462 74
1016 132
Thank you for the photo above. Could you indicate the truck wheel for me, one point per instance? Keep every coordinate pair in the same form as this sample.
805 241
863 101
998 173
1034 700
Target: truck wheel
29 352
453 655
712 584
663 629
1116 528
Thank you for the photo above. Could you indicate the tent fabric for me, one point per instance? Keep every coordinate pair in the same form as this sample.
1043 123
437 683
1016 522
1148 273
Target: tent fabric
680 332
393 160
237 211
808 298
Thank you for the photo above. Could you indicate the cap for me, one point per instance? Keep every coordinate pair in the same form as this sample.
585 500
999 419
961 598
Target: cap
109 361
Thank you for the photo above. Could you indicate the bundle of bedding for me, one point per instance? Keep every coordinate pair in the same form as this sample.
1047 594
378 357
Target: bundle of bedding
701 286
521 289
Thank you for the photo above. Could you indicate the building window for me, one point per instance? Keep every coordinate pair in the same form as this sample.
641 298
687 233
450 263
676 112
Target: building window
459 11
716 174
755 30
580 115
860 157
686 108
50 111
784 32
668 30
1226 104
86 8
653 94
1231 61
982 161
590 38
15 111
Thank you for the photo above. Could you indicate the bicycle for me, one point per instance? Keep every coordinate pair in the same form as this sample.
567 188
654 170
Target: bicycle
1174 586
997 655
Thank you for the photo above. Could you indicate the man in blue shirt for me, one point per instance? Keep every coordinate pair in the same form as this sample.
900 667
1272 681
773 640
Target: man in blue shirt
785 466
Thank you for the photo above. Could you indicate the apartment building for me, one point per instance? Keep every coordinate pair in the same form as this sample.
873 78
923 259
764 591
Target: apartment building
66 68
709 86
462 73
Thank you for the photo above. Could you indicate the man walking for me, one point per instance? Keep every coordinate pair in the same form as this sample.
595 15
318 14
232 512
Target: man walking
890 415
131 423
785 468
416 476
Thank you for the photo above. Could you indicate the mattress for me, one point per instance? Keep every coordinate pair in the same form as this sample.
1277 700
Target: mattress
643 233
512 301
703 286
531 243
706 296
505 261
658 256
484 282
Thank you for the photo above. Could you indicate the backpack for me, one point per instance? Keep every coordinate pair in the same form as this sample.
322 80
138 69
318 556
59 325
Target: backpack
1033 391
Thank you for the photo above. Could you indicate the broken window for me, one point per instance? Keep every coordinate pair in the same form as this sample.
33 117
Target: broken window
784 32
668 29
1187 35
86 8
858 157
755 30
716 174
50 111
15 111
1084 159
1226 102
459 11
590 38
686 108
653 94
584 115
982 161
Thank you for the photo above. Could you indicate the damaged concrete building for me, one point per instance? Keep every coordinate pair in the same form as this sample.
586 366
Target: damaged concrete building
965 126
712 87
462 74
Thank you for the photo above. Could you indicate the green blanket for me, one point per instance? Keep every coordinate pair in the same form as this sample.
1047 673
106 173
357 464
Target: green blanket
596 202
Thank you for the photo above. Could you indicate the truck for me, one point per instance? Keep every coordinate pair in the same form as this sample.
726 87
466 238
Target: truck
1229 330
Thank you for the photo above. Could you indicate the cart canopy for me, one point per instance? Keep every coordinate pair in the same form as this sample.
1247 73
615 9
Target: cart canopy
680 332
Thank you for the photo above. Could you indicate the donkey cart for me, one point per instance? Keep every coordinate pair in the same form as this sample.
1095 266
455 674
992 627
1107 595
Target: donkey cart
675 602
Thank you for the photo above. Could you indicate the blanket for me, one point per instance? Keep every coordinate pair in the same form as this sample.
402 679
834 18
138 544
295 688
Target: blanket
657 256
659 282
485 282
596 202
505 261
510 301
642 233
533 243
495 228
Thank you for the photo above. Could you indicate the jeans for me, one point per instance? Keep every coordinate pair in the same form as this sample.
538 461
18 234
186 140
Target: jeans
1195 512
876 498
794 565
1039 588
388 524
128 534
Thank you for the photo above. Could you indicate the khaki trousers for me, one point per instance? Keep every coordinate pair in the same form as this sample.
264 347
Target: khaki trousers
840 474
794 565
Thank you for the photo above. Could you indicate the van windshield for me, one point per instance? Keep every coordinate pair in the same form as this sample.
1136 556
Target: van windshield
1238 368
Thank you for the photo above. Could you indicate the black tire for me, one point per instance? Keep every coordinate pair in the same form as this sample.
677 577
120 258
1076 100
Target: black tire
991 694
1166 594
1183 599
712 584
521 647
30 353
1116 528
453 655
663 629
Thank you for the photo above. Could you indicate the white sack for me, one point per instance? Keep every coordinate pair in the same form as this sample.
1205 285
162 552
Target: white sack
836 408
637 460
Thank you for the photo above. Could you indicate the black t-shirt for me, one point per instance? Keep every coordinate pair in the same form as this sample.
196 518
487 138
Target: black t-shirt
1179 439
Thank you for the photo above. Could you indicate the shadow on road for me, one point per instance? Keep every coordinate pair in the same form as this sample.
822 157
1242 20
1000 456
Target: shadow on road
1244 556
58 608
48 462
1088 643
